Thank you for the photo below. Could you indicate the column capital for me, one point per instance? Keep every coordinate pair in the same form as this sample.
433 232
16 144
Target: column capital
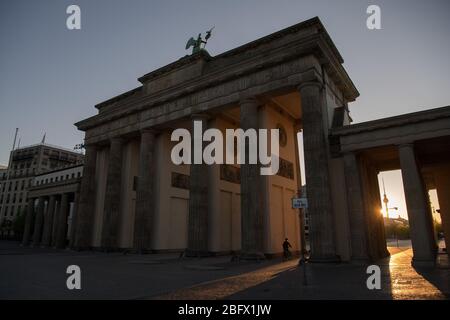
409 145
307 84
117 140
250 100
148 131
91 146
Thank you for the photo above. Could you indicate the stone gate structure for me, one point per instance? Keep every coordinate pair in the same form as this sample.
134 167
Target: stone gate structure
133 197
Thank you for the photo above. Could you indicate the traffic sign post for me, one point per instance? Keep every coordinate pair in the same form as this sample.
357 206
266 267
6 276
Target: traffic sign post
299 203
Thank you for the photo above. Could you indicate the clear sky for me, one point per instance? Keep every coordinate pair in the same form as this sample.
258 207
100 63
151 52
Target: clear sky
51 77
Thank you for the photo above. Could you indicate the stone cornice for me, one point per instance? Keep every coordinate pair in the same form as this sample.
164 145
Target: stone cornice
279 34
119 97
201 55
404 119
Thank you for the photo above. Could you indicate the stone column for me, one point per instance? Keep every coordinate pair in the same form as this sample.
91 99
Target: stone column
198 198
315 143
419 215
28 222
48 222
145 194
61 233
86 205
442 179
356 212
73 223
37 234
55 221
111 213
252 214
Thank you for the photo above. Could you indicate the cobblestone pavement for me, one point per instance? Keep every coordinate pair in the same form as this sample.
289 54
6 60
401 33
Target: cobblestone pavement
399 280
38 273
27 273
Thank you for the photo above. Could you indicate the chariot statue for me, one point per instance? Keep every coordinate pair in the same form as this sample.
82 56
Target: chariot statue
196 44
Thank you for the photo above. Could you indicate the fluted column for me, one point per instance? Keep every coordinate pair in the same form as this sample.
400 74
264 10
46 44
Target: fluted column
145 197
37 234
442 178
86 205
61 233
111 213
28 222
252 214
321 221
73 223
419 214
198 198
356 211
48 222
55 221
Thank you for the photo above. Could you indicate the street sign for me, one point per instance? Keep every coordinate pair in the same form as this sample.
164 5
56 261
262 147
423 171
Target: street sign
299 203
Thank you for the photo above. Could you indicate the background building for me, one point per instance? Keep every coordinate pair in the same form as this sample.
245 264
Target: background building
53 195
25 164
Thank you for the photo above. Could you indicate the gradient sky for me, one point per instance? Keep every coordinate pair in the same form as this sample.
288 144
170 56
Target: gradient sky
51 77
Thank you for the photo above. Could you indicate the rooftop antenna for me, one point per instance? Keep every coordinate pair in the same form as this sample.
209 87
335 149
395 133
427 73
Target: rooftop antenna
43 138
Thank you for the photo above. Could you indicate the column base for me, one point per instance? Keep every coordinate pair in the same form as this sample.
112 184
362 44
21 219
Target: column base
360 261
140 251
423 263
197 253
252 256
80 248
324 259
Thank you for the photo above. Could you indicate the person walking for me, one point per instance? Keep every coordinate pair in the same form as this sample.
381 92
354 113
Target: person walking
286 252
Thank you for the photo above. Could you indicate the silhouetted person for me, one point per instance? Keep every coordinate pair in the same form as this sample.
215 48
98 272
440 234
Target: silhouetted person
286 246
